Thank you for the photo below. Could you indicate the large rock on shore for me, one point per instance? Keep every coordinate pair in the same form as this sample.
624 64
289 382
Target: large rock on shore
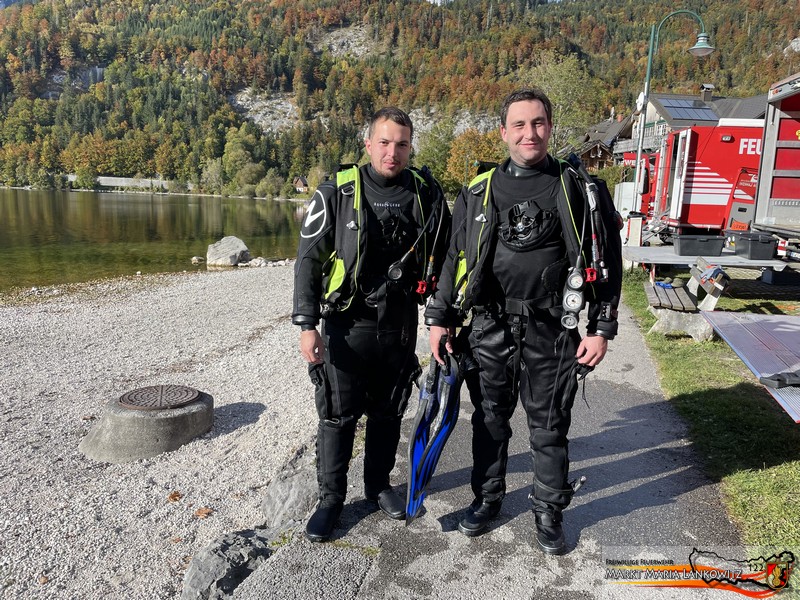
217 570
228 252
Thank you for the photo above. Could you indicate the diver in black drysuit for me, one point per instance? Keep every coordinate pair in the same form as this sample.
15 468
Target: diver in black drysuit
365 244
545 369
517 233
369 363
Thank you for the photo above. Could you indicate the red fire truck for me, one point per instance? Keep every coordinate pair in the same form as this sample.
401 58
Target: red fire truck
777 208
705 178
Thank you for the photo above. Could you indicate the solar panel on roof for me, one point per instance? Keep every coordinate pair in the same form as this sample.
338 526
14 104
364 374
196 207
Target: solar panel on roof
693 110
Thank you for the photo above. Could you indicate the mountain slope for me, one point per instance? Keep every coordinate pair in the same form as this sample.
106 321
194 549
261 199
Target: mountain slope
144 85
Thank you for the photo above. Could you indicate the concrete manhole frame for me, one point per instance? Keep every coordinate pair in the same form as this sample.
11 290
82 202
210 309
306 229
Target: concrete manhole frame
159 397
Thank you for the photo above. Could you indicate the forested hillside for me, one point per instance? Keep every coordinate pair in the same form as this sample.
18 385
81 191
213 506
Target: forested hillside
139 87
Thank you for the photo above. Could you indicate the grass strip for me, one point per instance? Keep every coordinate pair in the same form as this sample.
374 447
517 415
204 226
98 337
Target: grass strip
746 441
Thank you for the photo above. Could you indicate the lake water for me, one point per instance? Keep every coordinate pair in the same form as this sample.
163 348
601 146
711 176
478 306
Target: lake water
49 238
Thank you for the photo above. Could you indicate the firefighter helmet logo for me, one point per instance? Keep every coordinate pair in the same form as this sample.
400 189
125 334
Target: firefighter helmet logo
778 574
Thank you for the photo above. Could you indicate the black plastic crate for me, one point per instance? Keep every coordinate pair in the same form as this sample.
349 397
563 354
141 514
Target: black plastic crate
754 245
698 245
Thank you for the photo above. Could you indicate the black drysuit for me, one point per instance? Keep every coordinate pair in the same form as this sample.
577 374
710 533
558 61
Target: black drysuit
514 240
354 231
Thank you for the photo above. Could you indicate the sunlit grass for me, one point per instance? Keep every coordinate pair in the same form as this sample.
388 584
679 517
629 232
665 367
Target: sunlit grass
745 440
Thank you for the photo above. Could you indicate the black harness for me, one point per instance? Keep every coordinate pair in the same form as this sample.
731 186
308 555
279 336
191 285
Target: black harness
525 226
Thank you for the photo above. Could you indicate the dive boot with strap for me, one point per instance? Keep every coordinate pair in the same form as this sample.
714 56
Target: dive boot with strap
549 532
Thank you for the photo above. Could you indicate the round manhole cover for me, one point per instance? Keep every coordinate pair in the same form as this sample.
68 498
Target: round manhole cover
158 397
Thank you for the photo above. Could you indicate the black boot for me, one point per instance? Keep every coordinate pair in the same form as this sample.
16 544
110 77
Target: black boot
552 491
390 503
321 524
549 533
334 448
478 516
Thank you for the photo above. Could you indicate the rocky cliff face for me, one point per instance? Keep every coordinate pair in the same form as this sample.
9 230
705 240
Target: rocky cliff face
425 118
276 112
272 112
352 41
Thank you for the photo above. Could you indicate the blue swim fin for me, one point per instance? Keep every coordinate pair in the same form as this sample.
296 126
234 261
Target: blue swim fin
437 413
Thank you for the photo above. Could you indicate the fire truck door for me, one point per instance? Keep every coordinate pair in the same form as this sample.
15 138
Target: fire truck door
680 163
741 204
661 205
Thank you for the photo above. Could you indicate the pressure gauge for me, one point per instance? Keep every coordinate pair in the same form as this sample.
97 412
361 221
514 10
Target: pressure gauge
573 301
575 279
569 321
395 272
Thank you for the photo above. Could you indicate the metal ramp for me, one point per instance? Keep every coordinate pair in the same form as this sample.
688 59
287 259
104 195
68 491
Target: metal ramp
767 344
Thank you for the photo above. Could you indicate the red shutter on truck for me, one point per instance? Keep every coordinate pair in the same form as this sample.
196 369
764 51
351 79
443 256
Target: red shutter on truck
787 158
786 188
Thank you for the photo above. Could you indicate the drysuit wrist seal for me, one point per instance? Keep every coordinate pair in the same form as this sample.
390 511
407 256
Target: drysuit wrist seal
606 329
305 322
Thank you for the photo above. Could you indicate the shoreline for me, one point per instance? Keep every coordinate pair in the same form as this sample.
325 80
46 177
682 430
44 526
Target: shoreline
19 295
151 192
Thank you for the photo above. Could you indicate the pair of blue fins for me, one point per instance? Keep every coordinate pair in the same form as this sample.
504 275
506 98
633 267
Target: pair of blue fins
437 413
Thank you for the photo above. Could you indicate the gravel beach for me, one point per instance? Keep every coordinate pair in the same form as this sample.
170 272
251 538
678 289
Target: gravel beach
71 527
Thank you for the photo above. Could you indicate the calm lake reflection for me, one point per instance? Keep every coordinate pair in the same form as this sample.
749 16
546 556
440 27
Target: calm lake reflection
47 237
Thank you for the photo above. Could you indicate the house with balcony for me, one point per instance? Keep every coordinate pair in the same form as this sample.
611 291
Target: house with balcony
665 113
596 149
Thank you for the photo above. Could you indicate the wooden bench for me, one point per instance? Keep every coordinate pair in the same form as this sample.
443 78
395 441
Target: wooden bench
672 298
676 308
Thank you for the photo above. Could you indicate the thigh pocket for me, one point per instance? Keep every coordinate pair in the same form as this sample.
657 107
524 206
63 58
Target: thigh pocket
322 389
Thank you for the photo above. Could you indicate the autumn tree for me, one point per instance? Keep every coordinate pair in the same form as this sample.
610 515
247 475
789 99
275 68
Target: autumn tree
469 150
212 179
270 185
434 150
571 90
316 175
237 155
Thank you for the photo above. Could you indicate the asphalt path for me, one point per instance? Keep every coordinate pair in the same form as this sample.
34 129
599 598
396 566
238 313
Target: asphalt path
645 496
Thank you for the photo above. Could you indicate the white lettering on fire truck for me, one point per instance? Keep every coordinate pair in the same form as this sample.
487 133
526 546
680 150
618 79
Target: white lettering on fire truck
750 146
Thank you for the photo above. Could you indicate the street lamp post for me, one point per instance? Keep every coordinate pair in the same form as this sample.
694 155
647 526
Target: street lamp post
701 48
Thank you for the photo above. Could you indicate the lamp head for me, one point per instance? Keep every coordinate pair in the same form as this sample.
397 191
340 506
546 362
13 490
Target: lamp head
702 47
